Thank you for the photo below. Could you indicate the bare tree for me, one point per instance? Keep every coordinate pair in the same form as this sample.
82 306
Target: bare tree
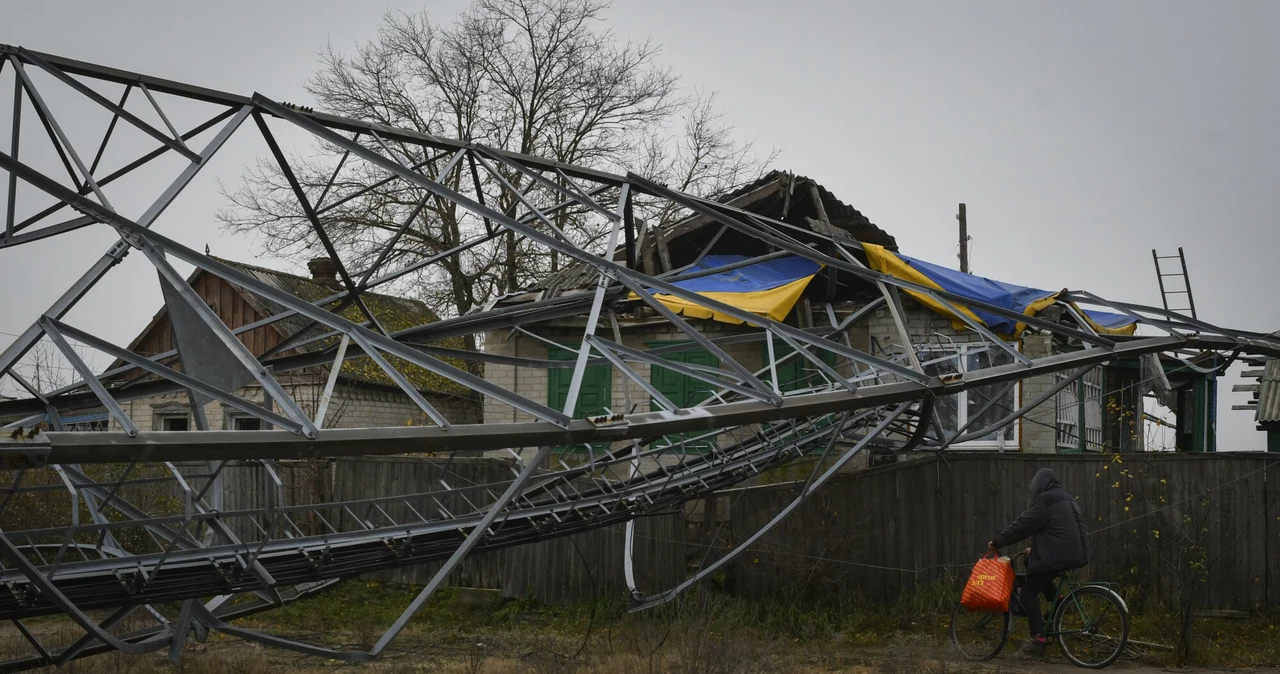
539 77
46 369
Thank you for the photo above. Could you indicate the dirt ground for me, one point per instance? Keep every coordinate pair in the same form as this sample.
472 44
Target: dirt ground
530 651
476 632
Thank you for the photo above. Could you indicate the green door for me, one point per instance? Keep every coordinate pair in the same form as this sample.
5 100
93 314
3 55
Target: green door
798 372
594 396
683 390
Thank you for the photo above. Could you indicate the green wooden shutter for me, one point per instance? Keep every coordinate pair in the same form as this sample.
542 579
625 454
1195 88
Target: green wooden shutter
681 389
594 396
798 372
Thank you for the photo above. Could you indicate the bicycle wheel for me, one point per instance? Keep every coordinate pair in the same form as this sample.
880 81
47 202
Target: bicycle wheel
1093 628
978 636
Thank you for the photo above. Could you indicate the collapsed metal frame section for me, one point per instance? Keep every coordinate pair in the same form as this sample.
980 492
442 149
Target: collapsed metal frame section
131 560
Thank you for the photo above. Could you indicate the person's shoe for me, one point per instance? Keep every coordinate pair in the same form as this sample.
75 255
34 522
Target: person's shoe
1034 648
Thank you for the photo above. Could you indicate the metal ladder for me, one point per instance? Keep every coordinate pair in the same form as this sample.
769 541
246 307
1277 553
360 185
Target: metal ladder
1186 281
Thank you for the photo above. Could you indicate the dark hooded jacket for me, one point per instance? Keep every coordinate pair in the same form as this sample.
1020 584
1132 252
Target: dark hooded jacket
1056 524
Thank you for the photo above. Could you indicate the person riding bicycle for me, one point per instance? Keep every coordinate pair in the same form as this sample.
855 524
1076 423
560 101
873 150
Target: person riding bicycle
1059 544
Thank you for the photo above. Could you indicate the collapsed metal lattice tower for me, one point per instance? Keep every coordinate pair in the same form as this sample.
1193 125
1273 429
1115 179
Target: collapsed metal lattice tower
127 559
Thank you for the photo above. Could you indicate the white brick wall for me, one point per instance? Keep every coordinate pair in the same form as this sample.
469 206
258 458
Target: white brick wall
1039 426
877 334
928 327
350 407
532 382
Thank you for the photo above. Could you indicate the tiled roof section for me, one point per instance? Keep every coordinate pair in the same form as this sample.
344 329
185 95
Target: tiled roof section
765 196
842 215
1269 394
577 276
395 313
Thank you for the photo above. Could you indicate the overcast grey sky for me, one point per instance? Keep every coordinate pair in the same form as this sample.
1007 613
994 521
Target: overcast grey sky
1081 135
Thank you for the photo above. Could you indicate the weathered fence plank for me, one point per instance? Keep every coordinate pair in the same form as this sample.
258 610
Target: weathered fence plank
926 519
552 571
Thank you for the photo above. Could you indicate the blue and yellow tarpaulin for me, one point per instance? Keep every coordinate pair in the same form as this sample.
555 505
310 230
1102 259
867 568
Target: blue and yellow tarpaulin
770 288
1021 299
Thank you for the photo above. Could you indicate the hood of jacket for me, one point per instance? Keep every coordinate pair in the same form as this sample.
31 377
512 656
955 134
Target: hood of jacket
1044 480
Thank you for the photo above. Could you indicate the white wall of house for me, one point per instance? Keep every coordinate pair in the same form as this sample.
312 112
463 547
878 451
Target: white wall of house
532 382
1036 432
878 334
350 407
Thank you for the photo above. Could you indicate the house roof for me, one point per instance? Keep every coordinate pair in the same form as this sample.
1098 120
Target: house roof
1269 394
394 313
777 194
768 195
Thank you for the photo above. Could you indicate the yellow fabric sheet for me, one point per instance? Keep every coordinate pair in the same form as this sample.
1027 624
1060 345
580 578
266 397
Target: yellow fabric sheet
1101 330
886 262
774 303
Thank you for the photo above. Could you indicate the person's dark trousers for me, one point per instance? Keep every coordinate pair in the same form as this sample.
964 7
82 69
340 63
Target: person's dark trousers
1032 587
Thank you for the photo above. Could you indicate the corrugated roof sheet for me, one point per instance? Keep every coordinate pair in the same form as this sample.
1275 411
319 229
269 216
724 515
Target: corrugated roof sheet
1269 394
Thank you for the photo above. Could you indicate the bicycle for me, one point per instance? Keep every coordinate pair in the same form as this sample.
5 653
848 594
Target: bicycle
1090 622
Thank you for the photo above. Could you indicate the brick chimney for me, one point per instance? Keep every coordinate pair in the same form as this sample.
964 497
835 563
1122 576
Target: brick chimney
325 271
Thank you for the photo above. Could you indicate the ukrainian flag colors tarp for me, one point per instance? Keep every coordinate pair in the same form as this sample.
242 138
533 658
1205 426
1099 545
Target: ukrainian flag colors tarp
1024 300
770 288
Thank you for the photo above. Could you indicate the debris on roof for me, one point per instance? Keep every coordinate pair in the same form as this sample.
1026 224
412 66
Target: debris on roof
795 200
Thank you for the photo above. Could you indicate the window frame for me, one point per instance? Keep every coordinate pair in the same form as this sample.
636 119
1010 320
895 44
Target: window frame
229 422
961 352
164 412
1080 407
165 418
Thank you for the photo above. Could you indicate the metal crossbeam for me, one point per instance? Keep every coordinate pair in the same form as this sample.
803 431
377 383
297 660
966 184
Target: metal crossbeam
218 563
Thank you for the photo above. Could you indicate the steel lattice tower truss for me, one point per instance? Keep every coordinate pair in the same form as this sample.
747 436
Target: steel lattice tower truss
118 556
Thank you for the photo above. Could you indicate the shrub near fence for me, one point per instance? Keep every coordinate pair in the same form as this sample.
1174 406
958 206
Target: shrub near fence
1157 522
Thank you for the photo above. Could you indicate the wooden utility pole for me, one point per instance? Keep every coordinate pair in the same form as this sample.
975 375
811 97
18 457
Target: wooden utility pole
964 240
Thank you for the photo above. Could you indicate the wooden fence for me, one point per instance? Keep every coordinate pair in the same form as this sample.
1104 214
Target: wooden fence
559 570
884 530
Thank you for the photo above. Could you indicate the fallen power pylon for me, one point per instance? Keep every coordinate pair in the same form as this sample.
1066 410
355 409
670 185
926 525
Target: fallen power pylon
118 556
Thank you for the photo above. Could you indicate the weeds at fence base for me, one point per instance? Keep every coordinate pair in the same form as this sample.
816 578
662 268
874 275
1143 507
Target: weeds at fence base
706 632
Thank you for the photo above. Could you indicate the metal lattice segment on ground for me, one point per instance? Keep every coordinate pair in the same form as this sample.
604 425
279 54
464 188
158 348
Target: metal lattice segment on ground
128 516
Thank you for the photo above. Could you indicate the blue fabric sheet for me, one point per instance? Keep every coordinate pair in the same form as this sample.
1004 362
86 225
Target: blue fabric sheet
751 278
1001 294
1005 295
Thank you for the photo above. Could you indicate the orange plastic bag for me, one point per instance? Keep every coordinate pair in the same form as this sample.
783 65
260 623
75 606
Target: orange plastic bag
989 586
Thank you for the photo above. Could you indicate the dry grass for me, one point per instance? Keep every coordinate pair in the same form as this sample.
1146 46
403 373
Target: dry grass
705 633
916 653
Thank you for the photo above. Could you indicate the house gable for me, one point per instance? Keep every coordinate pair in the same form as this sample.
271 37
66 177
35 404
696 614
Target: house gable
231 307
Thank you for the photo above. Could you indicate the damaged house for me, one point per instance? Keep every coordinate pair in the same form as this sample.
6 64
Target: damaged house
362 394
1101 411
